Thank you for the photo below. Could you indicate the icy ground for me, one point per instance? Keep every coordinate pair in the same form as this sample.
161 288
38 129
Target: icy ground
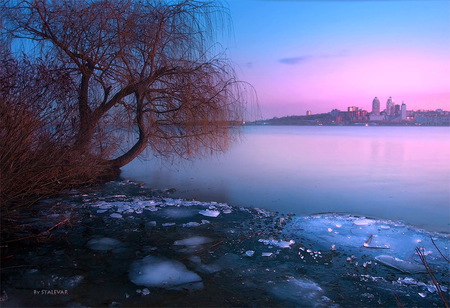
127 246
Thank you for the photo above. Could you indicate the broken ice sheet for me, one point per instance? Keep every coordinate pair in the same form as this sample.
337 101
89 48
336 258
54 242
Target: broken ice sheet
401 265
281 244
396 239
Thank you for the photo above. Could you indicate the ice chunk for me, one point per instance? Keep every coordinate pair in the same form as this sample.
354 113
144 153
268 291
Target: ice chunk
249 253
122 206
210 213
363 222
104 243
115 215
164 273
150 224
193 241
401 265
281 244
266 254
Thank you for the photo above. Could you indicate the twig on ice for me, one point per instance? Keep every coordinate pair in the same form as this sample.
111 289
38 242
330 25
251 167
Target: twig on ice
433 279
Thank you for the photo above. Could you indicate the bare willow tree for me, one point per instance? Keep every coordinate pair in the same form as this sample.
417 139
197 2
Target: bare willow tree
145 65
94 69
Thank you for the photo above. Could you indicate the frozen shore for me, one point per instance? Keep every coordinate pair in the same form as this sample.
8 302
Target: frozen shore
128 246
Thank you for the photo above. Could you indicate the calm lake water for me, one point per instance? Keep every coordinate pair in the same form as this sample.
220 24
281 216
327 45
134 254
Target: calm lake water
395 173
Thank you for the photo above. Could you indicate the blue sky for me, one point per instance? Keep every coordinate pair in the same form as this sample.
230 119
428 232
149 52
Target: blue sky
320 55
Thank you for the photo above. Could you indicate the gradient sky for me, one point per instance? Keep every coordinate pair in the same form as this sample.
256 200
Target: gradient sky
319 55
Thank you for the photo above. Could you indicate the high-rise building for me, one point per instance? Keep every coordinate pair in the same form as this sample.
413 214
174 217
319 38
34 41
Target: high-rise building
403 112
376 106
352 108
308 112
390 106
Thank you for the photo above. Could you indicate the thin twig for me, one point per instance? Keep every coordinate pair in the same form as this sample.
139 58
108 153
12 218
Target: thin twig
433 279
40 234
368 241
399 302
439 250
15 266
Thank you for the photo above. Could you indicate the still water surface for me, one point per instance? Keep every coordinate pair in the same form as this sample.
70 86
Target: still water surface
396 173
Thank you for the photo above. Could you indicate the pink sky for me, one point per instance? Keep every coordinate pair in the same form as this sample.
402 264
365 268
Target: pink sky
324 84
304 55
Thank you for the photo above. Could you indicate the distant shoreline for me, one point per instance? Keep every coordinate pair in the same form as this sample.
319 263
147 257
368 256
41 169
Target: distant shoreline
351 124
360 118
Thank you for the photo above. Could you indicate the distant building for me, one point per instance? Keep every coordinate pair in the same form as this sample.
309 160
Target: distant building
390 106
376 106
308 112
335 112
403 112
376 117
354 114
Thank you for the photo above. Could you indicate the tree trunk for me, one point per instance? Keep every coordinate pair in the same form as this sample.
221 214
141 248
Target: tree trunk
141 144
134 152
87 123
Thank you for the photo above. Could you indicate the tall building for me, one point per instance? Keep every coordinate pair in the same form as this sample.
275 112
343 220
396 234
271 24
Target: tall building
308 112
403 112
390 106
376 106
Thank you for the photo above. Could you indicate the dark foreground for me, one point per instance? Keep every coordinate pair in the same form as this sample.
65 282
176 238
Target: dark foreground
126 246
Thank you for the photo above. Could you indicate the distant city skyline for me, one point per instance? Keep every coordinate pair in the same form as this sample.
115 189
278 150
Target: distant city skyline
321 55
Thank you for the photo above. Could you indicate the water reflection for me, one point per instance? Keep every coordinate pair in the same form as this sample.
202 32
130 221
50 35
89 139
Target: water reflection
388 172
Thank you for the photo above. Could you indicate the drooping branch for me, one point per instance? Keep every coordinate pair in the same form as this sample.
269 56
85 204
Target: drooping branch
147 67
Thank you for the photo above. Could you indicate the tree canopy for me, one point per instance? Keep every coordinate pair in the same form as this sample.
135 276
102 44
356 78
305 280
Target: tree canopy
83 73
